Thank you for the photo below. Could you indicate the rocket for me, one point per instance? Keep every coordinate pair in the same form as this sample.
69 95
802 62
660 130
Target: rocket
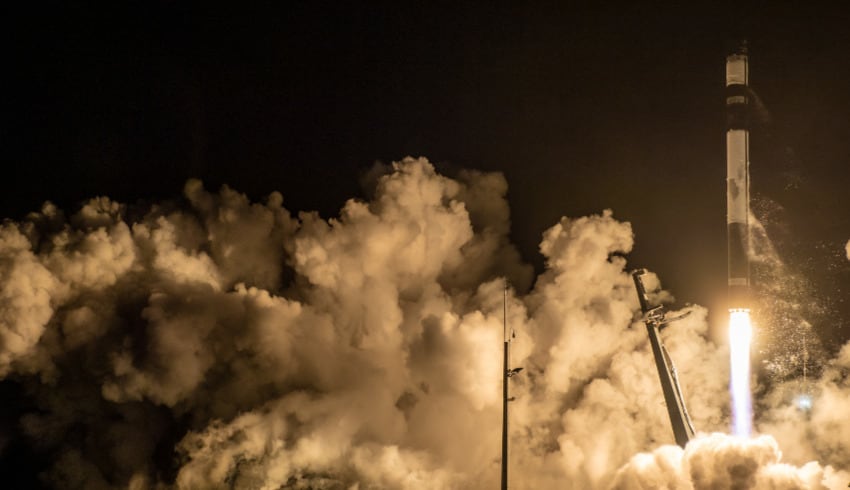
738 177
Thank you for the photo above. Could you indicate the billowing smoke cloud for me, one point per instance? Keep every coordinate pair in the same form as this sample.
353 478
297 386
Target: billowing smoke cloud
220 343
722 461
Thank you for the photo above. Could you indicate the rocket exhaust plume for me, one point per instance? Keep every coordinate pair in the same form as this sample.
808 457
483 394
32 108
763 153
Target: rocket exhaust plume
740 335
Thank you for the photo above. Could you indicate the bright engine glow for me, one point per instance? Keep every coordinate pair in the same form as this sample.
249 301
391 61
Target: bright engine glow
740 335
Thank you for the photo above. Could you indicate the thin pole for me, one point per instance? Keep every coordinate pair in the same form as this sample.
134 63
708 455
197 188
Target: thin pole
505 375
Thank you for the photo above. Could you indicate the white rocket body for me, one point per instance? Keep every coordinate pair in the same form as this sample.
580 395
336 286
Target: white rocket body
738 178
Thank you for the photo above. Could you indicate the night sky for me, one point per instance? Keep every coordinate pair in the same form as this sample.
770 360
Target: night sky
582 109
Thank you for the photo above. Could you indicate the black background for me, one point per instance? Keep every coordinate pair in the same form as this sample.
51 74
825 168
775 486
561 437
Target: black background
583 108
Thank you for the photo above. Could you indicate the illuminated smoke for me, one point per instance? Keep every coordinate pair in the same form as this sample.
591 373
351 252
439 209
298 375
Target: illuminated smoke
218 342
719 461
847 249
740 337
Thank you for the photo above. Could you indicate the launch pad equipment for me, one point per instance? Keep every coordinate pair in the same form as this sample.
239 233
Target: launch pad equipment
655 320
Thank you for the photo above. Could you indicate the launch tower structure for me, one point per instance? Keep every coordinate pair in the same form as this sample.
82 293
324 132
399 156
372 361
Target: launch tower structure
656 320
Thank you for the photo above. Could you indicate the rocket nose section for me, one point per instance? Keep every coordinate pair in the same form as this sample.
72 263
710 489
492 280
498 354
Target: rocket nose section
736 46
736 69
737 72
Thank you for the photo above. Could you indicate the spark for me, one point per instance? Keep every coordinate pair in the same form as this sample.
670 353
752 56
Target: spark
740 336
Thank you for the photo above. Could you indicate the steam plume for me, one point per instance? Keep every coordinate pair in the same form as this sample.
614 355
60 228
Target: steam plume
221 343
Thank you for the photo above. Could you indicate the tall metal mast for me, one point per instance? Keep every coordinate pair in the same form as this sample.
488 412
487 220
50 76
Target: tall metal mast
507 373
656 320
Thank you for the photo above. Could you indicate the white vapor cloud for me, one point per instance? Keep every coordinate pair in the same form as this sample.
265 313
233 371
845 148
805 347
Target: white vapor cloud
722 461
218 342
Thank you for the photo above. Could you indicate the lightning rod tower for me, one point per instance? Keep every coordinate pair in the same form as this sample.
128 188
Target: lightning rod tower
507 373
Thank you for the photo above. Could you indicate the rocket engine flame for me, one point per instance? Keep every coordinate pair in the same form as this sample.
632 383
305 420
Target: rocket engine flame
740 337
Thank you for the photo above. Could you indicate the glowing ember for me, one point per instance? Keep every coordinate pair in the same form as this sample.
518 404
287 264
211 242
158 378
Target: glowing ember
740 335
